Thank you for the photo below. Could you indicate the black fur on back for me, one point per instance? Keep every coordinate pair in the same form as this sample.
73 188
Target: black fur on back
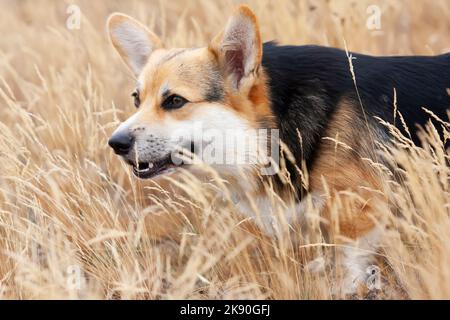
307 82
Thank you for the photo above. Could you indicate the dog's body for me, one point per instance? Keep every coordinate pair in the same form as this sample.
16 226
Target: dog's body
307 84
313 93
308 93
312 90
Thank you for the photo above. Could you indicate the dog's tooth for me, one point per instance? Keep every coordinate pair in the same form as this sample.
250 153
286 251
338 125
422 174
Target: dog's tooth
150 165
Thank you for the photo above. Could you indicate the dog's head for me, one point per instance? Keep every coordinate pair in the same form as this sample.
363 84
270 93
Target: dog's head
217 87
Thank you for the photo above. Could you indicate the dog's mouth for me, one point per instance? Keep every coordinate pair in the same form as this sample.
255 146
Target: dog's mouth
164 165
147 170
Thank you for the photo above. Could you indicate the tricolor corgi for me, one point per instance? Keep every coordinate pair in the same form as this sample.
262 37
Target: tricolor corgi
241 86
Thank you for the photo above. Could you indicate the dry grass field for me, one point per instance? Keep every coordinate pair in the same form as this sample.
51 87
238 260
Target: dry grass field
75 223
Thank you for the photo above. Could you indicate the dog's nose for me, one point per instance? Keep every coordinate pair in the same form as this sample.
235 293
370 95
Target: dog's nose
121 142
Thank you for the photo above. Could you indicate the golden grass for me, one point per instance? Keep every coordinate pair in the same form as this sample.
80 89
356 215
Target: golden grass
67 202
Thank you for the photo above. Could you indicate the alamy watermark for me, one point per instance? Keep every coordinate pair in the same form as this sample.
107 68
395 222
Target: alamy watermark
75 279
73 21
373 281
373 21
213 146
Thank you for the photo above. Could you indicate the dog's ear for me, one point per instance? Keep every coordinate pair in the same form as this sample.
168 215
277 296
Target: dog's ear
132 40
239 48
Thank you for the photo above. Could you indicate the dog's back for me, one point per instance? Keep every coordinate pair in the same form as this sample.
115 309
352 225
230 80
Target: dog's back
308 82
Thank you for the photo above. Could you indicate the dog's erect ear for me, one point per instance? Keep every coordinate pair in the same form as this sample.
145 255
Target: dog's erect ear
132 40
239 47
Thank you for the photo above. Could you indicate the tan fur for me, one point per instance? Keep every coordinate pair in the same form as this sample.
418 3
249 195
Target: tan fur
339 167
252 99
254 105
186 74
245 11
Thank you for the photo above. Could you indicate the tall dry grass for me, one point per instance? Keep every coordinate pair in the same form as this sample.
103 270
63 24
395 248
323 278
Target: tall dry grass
67 204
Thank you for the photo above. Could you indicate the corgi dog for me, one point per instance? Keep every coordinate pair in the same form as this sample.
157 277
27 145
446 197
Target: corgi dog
302 94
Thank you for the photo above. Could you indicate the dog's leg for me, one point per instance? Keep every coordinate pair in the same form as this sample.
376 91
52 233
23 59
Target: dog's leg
353 188
357 261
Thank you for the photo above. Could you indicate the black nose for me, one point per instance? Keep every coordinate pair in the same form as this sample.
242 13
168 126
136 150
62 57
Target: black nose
121 143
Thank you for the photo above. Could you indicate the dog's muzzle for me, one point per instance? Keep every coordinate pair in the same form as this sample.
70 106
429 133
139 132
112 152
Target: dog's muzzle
144 166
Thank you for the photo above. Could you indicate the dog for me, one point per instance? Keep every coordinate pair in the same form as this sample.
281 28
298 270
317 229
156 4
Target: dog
306 93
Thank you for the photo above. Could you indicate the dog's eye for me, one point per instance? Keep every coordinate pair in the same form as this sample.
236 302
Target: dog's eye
174 102
137 101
